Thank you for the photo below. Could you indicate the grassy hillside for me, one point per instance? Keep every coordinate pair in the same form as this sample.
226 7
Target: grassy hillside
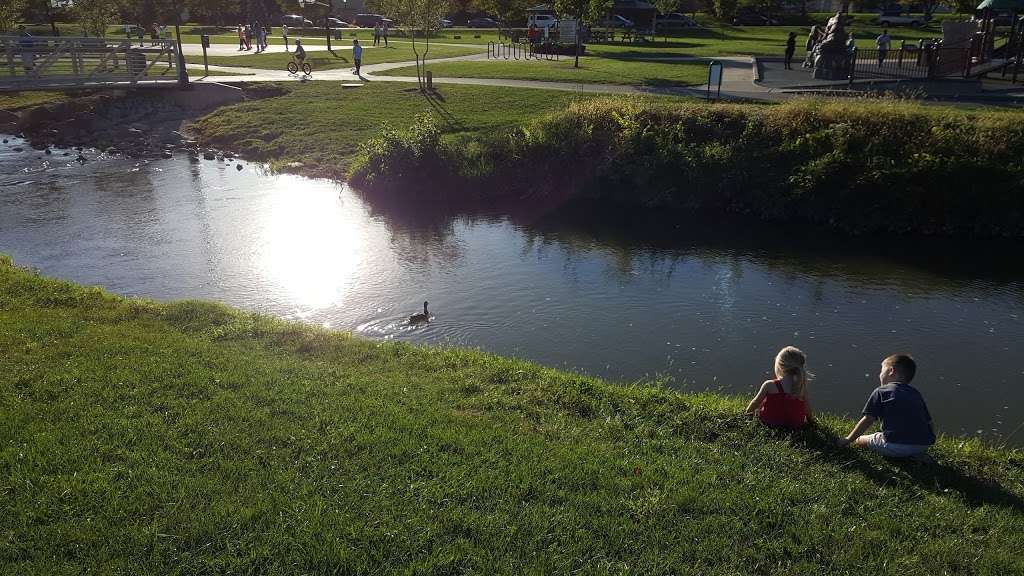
188 438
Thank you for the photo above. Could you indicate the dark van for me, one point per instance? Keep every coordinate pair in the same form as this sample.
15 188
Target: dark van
367 20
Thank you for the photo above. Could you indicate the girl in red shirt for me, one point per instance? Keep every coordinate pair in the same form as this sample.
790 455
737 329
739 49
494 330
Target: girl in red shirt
783 402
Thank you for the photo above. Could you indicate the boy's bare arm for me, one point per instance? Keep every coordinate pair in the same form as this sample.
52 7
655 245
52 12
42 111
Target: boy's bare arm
862 425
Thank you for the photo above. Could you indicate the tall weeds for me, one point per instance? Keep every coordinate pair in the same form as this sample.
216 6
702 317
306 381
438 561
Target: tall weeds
859 167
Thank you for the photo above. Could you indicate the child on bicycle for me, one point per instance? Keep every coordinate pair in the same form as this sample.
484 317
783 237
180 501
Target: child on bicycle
300 53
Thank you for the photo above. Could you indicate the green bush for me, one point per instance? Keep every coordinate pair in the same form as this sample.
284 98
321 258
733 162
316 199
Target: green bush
858 167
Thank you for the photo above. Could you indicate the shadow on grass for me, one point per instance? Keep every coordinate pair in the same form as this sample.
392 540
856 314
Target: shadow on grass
436 100
932 476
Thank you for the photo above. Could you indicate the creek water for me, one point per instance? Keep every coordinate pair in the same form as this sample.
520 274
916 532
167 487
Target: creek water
697 307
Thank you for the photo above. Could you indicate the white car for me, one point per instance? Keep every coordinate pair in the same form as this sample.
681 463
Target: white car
903 19
542 21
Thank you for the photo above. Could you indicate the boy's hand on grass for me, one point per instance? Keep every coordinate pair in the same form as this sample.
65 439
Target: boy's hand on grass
843 442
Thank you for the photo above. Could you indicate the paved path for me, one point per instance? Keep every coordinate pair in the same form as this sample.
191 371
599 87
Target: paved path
337 45
737 80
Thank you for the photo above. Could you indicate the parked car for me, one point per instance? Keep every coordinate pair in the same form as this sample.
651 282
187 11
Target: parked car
675 20
445 23
337 23
482 23
542 21
897 19
295 21
368 20
751 17
617 21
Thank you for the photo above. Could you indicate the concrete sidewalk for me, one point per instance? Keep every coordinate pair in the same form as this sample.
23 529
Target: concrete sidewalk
737 80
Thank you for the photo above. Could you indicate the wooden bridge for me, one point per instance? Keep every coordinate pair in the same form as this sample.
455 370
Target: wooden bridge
52 62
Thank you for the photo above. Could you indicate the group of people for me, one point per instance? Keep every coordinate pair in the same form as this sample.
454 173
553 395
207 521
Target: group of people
247 33
906 425
380 32
817 34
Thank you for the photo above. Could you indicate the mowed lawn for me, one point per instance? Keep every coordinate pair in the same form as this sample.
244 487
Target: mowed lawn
186 438
342 58
321 125
602 65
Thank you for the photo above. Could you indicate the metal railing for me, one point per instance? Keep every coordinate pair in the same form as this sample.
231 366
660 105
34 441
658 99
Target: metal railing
911 62
39 62
521 51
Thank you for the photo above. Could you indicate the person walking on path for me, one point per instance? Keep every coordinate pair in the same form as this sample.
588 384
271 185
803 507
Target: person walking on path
790 50
882 43
384 32
241 38
376 34
357 54
284 35
261 37
140 31
26 45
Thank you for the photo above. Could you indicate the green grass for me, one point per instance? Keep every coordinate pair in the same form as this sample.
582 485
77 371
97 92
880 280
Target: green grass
18 100
323 60
603 65
185 438
322 126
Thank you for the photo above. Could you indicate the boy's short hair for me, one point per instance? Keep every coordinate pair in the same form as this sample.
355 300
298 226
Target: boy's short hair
903 365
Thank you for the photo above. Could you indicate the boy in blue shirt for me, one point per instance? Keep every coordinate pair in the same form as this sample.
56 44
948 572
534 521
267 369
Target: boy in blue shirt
906 423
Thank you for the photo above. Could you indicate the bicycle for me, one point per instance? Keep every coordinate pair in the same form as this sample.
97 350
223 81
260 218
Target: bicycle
293 68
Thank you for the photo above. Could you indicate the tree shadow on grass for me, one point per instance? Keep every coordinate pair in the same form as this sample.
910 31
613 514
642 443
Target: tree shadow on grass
930 475
436 100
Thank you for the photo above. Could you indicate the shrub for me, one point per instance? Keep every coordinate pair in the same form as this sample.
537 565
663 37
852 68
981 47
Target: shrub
855 166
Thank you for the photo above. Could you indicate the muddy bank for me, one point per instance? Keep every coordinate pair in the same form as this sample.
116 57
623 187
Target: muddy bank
143 123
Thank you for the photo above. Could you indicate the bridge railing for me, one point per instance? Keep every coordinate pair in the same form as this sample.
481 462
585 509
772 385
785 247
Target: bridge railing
45 62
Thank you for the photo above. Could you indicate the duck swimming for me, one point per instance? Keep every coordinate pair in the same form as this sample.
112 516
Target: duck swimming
421 316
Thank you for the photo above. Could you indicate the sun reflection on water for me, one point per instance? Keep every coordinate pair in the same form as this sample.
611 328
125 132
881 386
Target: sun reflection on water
312 247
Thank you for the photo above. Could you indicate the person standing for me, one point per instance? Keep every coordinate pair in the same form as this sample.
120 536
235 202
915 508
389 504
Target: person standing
26 45
357 54
882 43
257 31
384 32
284 34
376 34
790 50
241 38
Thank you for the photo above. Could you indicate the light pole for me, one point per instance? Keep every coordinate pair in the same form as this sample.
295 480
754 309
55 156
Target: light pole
327 22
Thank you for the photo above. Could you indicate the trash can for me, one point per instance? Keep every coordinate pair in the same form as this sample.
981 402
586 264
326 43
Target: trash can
337 34
205 40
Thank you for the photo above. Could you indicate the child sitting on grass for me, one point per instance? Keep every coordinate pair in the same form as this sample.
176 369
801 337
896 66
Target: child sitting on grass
906 423
783 402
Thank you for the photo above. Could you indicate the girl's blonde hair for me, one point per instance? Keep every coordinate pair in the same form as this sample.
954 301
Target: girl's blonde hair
790 361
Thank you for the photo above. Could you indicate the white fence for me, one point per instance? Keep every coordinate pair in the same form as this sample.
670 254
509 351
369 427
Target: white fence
41 62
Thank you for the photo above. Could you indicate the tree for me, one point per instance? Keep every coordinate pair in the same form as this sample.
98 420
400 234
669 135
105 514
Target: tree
584 10
420 18
95 15
507 11
725 10
9 12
